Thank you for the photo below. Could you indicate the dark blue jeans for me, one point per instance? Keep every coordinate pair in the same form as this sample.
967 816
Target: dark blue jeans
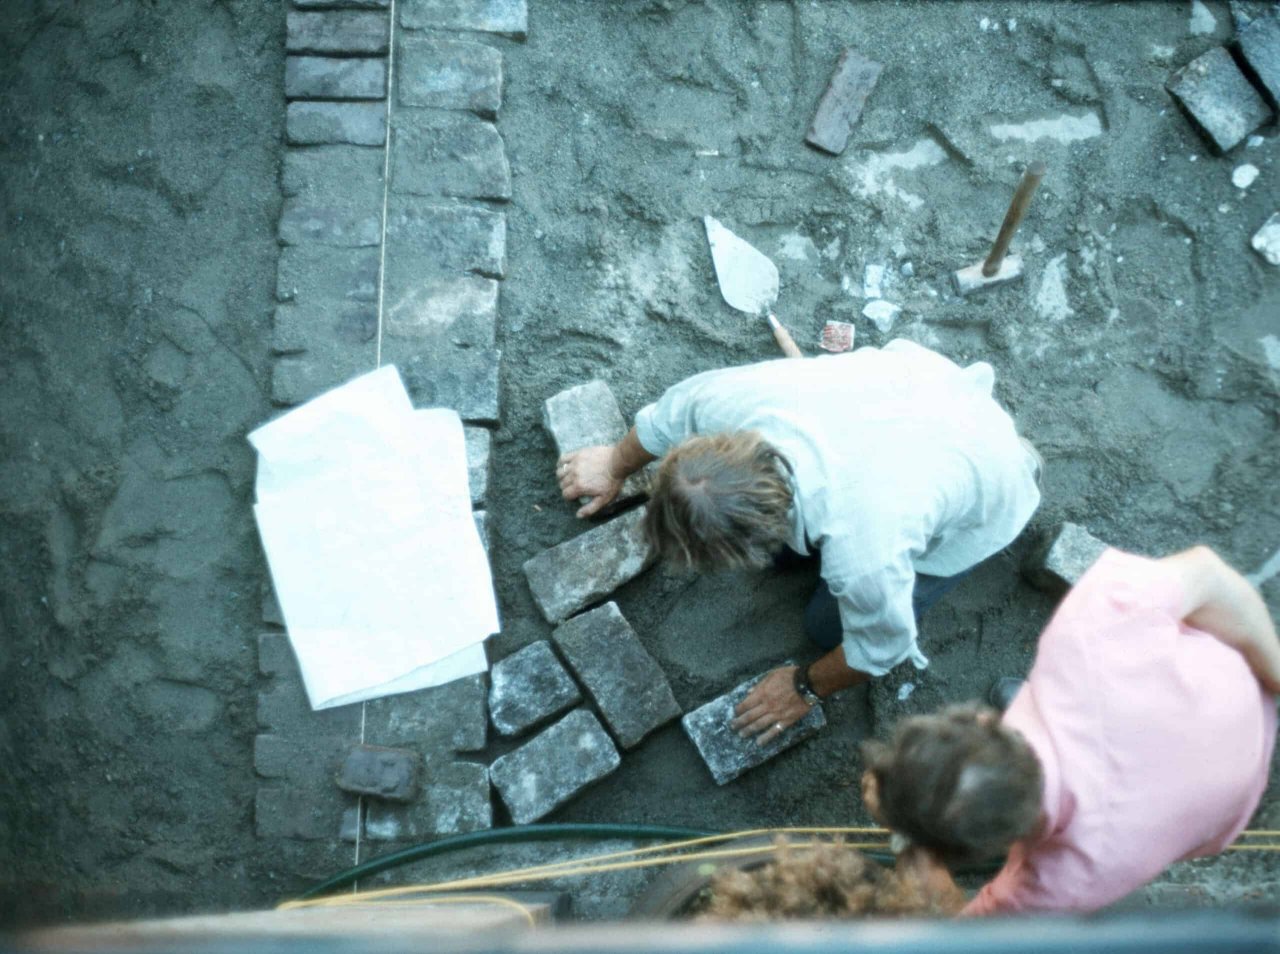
822 615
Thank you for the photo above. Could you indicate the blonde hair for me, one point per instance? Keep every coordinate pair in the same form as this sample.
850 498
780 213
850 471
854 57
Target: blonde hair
720 502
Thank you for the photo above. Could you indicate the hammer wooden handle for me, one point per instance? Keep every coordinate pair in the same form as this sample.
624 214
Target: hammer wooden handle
783 337
1013 218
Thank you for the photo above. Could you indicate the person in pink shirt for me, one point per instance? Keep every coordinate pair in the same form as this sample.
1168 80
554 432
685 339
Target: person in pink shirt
1142 736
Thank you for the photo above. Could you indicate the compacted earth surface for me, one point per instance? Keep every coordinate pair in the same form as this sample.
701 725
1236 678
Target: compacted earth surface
139 155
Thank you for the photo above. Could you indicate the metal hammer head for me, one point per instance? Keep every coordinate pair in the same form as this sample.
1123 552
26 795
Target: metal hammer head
970 280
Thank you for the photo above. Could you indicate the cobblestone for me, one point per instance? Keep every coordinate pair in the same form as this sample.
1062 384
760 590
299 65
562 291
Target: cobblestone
479 445
465 379
455 799
342 4
459 155
358 124
449 74
482 527
508 17
1266 241
351 227
283 709
529 687
841 104
336 32
319 173
447 238
326 77
271 606
297 378
1260 46
1072 551
299 811
555 765
576 573
448 718
297 797
380 772
349 324
324 277
585 416
1219 98
626 683
460 309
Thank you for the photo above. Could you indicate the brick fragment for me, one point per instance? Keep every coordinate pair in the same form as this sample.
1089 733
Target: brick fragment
380 772
455 799
449 718
576 573
841 104
1071 552
626 683
507 17
555 765
347 226
585 416
449 74
728 755
458 309
1260 47
327 77
1218 98
447 238
319 123
465 379
458 155
479 443
529 687
331 31
1266 241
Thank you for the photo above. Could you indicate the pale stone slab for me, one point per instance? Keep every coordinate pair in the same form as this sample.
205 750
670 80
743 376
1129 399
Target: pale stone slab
508 17
449 74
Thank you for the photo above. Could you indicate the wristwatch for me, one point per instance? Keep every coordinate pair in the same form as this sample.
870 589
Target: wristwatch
803 689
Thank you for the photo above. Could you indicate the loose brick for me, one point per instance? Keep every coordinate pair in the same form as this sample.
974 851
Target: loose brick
1218 98
479 444
449 74
302 223
323 174
358 124
576 573
455 799
336 32
1072 551
380 772
841 105
323 277
447 238
326 77
551 768
626 683
585 416
465 379
458 309
508 17
482 528
727 754
457 155
529 687
1260 46
348 324
448 718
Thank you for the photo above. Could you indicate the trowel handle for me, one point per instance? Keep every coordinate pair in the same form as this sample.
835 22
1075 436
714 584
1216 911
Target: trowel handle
783 337
1013 218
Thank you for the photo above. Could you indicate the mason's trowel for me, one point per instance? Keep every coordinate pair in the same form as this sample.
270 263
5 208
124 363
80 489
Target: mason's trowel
748 280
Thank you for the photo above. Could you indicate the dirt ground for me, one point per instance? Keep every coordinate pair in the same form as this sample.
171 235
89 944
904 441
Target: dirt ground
139 148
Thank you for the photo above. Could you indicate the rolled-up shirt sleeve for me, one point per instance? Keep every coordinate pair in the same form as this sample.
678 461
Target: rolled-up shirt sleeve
876 612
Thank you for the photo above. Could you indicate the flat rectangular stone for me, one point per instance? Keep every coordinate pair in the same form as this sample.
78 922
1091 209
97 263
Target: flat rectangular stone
442 719
458 309
310 123
324 277
380 772
303 223
275 655
438 238
555 765
482 527
465 379
1218 98
726 753
350 829
328 77
458 155
587 415
1260 47
299 812
572 575
347 324
841 104
1266 241
508 17
449 74
297 378
627 684
336 32
342 4
529 687
456 798
1072 551
479 445
322 174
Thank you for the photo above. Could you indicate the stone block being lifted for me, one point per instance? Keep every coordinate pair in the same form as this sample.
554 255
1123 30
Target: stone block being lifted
554 766
587 415
576 573
1072 551
380 772
528 687
1260 47
1218 98
626 683
726 753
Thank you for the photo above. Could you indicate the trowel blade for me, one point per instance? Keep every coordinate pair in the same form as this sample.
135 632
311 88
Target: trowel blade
748 279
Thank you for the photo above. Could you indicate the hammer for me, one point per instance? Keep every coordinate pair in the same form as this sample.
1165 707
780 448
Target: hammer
996 269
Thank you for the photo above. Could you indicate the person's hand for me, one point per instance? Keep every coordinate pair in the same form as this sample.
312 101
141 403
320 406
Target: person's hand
589 473
771 707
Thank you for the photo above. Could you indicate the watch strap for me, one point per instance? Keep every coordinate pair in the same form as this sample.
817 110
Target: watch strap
803 688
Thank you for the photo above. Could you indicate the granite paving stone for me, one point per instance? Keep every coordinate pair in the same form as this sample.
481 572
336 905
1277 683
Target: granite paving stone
481 518
336 31
309 123
1260 47
458 309
449 74
350 827
553 766
626 683
572 575
321 173
442 237
329 77
323 277
465 379
297 378
1072 551
841 104
508 17
449 718
727 754
459 155
1218 98
529 687
312 760
299 811
479 445
302 223
456 798
349 324
587 415
380 772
